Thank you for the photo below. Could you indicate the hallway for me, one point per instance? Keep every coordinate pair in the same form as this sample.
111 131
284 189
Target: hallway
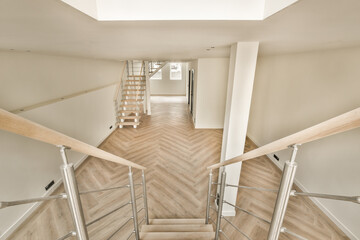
176 156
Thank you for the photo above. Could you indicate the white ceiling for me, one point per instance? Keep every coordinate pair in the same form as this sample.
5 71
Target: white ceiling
50 26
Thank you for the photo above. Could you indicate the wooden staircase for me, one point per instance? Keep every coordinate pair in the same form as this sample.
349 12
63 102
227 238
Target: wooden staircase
184 229
133 95
133 92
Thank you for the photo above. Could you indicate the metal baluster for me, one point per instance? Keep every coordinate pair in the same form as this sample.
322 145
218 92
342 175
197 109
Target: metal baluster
208 198
73 196
133 203
282 200
145 198
221 202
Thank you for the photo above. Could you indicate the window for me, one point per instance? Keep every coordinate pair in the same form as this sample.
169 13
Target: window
175 71
157 76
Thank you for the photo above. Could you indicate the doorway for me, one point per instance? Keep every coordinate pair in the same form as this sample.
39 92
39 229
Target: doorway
191 90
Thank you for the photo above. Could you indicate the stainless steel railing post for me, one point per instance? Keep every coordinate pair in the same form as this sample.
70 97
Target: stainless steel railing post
208 199
145 197
72 192
133 204
282 200
220 203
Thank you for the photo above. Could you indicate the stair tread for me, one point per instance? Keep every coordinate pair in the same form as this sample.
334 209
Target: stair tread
129 111
172 221
129 123
177 235
132 100
136 85
128 117
178 228
133 95
131 105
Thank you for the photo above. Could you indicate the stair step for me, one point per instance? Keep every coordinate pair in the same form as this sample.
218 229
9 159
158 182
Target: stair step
133 95
135 80
170 221
136 75
133 90
129 111
128 123
135 85
129 117
178 228
132 100
177 235
130 106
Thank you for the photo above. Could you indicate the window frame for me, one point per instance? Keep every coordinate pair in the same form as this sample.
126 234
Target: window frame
171 77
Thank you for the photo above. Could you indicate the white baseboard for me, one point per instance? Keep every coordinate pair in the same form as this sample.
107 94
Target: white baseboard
35 206
326 211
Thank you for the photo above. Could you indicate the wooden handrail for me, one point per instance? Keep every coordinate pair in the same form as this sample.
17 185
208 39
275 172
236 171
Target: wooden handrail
158 69
21 126
116 94
55 100
342 123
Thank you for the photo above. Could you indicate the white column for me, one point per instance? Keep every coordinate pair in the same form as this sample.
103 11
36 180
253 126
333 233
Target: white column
243 58
147 95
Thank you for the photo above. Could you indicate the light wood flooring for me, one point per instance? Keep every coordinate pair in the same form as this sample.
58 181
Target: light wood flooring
176 156
302 216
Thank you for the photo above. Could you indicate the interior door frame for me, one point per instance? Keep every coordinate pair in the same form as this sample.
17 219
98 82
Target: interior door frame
191 87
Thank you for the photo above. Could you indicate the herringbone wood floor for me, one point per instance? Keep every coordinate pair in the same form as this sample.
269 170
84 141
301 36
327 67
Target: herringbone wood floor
176 156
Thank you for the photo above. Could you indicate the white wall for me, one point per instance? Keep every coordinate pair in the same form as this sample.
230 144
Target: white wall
27 166
211 87
293 92
165 86
27 78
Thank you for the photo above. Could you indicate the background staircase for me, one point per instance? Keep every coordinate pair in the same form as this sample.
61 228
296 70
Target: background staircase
177 229
134 92
133 89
